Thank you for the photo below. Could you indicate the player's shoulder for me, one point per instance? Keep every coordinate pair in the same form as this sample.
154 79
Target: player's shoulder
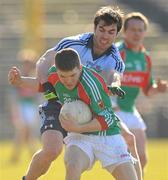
92 73
76 40
115 54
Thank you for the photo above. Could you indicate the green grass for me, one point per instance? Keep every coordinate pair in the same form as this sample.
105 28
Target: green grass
157 168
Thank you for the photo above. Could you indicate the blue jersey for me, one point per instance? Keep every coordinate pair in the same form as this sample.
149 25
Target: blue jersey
106 64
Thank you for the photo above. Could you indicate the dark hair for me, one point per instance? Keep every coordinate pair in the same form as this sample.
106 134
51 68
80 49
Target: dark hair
135 15
67 59
110 15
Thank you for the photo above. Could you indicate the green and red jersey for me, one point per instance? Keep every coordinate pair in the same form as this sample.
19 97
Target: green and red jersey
91 89
137 75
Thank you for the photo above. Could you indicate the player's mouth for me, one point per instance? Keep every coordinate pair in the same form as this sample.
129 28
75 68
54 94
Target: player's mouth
103 42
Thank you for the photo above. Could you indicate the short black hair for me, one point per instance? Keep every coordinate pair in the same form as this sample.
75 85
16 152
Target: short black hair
110 15
67 59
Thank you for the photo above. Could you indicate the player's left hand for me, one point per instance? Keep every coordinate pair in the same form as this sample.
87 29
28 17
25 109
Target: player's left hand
116 90
14 76
162 85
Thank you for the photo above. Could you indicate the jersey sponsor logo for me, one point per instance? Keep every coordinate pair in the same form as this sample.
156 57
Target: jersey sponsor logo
137 79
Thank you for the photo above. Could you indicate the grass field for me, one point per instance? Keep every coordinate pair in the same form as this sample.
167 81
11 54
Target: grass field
157 168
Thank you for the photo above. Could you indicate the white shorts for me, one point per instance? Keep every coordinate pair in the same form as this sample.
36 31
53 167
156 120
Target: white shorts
133 120
109 150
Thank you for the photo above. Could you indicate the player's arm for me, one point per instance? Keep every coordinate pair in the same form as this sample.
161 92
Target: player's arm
159 87
117 75
72 126
155 87
43 65
115 85
101 121
16 79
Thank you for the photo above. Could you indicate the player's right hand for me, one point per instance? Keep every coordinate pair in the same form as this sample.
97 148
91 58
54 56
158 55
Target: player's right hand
14 76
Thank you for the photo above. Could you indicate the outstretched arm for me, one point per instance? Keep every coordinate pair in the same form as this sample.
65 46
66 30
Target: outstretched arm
15 79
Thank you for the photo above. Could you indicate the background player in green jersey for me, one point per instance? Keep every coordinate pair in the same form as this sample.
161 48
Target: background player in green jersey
99 139
137 76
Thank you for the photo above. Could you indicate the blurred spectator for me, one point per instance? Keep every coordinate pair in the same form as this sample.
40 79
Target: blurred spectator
23 108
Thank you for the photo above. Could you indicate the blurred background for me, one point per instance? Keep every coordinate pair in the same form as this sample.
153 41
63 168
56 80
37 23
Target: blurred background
36 25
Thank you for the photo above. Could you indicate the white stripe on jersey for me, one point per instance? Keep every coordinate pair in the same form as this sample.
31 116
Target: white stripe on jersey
69 43
93 83
93 87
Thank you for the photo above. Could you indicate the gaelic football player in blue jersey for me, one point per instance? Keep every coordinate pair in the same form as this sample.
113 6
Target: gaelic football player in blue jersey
97 51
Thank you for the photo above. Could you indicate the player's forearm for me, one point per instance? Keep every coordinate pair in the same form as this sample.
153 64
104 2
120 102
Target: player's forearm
29 82
152 90
155 89
92 126
116 79
43 64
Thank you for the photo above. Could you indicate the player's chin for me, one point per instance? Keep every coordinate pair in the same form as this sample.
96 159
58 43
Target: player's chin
69 87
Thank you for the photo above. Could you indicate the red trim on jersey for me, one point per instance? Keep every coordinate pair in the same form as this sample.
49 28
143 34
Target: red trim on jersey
102 122
130 46
149 62
149 65
53 78
83 94
101 81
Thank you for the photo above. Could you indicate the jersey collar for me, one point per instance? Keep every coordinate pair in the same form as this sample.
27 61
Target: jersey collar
129 46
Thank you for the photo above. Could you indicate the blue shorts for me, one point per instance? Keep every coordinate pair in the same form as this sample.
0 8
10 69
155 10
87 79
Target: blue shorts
49 116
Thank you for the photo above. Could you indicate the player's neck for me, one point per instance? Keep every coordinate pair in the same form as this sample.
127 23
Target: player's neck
134 47
97 51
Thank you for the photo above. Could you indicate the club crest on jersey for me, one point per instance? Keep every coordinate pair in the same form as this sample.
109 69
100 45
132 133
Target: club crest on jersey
101 104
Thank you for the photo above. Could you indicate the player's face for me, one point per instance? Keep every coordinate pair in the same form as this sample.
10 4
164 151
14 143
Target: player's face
69 78
135 32
104 35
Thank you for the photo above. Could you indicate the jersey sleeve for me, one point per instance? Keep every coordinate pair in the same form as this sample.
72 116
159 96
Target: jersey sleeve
66 42
60 45
100 102
51 78
104 113
150 78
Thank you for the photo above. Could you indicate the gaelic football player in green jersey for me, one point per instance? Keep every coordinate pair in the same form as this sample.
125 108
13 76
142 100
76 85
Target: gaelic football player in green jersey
137 76
100 138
